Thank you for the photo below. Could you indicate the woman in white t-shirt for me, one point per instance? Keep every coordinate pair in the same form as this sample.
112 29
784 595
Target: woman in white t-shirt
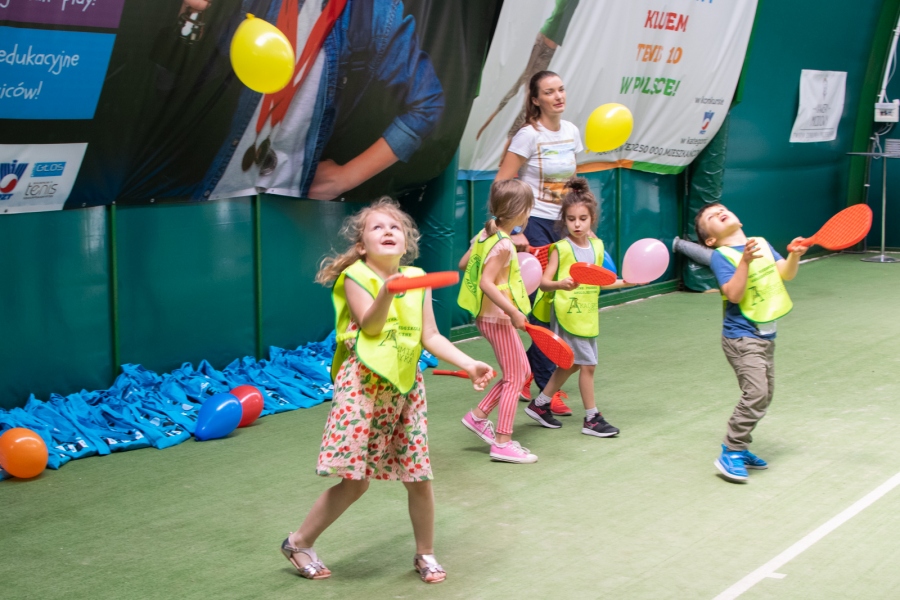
542 153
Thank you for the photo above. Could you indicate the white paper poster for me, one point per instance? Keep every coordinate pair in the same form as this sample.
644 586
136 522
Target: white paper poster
675 64
821 106
35 177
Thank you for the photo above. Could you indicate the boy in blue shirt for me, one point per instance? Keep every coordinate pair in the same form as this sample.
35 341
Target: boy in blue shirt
750 274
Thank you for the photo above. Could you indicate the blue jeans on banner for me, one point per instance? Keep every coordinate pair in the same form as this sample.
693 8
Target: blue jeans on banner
540 232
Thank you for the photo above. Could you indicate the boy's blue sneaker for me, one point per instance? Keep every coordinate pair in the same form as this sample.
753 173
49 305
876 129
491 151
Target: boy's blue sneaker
751 461
731 465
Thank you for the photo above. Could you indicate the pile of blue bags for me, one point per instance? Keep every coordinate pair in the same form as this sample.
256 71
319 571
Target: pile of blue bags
143 409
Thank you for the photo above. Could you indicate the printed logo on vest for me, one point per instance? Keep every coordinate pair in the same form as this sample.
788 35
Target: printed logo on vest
757 297
472 272
391 337
574 307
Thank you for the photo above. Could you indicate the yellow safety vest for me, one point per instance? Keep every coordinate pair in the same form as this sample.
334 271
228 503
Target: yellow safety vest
394 353
765 298
576 310
470 294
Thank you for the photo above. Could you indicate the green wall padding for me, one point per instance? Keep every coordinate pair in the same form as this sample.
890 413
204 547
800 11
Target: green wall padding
706 177
296 234
878 56
434 211
186 283
778 189
603 186
649 210
461 236
54 304
892 224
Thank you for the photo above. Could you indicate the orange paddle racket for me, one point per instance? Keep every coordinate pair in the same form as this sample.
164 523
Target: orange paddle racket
588 274
461 374
429 280
843 230
553 346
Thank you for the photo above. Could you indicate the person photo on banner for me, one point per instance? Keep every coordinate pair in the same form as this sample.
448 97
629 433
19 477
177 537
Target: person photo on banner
549 38
294 142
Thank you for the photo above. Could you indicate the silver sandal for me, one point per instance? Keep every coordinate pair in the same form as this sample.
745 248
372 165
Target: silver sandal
431 567
314 570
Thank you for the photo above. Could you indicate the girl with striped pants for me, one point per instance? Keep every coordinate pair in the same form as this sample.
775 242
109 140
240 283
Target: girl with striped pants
493 291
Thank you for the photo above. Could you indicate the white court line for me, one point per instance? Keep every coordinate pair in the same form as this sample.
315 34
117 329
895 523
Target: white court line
770 568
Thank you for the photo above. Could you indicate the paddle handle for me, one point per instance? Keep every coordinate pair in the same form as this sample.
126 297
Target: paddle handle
429 280
460 374
803 243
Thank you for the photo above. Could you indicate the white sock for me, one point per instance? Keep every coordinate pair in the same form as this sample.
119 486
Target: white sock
542 399
476 419
590 412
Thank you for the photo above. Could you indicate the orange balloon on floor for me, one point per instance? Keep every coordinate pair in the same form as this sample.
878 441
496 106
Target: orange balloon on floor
23 453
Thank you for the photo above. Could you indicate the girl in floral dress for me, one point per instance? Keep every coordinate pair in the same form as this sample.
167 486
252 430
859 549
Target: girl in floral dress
377 428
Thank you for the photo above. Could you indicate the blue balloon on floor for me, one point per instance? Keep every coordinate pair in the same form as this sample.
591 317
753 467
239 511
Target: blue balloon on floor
608 263
218 417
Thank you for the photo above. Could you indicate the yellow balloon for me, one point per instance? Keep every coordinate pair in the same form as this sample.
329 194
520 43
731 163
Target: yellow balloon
262 57
608 127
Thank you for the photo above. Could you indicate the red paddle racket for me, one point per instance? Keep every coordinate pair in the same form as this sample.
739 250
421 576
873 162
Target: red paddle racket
588 274
843 230
541 253
429 280
553 346
461 374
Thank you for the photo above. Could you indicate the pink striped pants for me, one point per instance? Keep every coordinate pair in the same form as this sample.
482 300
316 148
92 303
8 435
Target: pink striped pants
510 353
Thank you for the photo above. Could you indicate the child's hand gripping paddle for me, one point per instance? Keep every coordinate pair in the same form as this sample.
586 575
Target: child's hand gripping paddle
553 346
429 280
843 230
588 274
461 374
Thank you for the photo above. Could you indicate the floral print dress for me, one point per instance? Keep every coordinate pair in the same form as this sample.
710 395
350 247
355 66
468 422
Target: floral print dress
374 431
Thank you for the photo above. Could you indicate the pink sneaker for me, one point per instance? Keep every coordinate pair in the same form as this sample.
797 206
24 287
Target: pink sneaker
483 429
512 452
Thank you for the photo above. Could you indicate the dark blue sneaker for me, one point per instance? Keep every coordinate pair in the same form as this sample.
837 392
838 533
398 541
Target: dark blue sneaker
752 461
542 415
731 465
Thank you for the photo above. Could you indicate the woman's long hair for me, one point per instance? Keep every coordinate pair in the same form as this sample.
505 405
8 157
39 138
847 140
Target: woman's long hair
532 110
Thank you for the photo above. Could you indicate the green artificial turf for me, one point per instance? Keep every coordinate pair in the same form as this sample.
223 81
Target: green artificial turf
643 515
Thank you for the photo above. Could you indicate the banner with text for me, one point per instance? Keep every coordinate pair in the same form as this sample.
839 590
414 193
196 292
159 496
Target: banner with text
821 106
135 101
674 64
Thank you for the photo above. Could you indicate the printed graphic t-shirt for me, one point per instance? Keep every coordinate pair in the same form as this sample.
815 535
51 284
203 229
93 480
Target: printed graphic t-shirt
549 163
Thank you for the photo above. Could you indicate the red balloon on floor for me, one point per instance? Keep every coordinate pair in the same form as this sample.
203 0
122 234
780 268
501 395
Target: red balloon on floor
23 453
251 400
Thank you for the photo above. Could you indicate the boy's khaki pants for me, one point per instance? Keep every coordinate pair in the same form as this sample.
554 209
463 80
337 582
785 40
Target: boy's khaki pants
753 361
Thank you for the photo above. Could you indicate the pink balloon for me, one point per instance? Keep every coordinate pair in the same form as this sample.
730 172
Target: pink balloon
645 261
531 271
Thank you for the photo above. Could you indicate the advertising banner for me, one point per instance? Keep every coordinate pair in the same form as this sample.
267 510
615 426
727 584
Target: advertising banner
674 64
140 102
36 177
